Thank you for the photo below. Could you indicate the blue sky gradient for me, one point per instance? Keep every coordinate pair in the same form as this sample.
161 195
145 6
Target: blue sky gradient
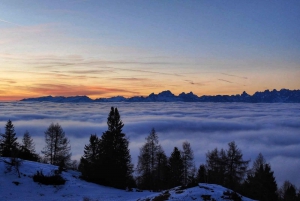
138 47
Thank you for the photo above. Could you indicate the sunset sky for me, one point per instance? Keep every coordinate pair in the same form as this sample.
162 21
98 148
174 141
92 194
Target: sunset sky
127 47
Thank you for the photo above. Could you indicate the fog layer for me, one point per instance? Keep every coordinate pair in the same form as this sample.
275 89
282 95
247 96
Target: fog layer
272 129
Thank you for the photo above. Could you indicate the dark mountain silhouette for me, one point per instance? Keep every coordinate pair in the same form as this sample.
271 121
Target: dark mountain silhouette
61 99
267 96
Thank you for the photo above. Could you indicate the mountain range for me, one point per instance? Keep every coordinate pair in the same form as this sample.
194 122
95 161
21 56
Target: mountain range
267 96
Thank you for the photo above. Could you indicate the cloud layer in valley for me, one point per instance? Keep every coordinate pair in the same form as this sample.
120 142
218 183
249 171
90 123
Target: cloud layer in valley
272 129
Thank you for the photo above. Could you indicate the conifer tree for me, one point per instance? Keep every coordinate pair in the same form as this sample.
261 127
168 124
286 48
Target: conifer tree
8 141
236 167
202 174
150 162
188 163
216 162
226 167
261 185
27 151
114 156
27 142
260 160
91 151
223 166
288 192
176 168
161 171
57 149
89 161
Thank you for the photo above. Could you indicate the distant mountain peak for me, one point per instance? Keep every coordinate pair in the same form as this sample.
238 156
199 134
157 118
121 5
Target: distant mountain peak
267 96
167 93
244 94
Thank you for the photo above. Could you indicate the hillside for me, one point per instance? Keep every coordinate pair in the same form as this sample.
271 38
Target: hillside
13 188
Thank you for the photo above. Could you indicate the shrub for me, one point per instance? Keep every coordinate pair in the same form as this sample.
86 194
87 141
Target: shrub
231 195
16 182
206 197
54 179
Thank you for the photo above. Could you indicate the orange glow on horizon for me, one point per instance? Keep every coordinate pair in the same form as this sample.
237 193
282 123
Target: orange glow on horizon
107 94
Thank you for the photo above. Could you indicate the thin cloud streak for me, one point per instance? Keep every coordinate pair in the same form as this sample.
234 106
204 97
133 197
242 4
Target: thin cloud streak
132 79
146 71
194 83
88 71
48 62
73 90
234 76
8 81
53 75
1 20
225 81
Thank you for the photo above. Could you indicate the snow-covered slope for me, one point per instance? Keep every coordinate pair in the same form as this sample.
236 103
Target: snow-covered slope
209 191
13 188
74 188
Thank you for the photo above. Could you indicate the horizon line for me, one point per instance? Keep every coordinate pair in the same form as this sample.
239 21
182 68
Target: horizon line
150 94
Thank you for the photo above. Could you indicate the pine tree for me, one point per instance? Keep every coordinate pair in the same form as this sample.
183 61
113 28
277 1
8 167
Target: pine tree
176 168
223 166
260 160
216 162
226 168
151 156
161 171
8 142
114 156
236 166
188 163
27 151
202 174
89 161
91 150
288 192
260 183
28 142
57 149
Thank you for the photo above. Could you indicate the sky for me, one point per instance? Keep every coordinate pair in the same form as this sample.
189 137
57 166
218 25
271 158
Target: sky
271 129
133 48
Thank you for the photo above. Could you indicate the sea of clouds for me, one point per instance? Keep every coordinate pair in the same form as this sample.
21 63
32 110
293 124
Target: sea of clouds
270 129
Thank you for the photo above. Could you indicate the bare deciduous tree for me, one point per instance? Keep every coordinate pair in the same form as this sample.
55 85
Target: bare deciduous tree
57 149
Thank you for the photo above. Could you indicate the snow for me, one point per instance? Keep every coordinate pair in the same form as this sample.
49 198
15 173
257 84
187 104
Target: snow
76 189
195 193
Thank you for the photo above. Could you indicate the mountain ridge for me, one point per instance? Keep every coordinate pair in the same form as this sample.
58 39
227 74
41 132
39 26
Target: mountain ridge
267 96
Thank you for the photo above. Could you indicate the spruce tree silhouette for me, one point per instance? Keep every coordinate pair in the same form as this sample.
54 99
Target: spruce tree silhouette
89 162
152 162
115 159
188 163
176 168
262 185
27 148
8 141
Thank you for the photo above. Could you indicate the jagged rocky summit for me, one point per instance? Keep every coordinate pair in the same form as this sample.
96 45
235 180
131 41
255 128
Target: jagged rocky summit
267 96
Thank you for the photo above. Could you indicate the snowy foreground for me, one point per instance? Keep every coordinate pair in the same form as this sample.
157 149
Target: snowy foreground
14 188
